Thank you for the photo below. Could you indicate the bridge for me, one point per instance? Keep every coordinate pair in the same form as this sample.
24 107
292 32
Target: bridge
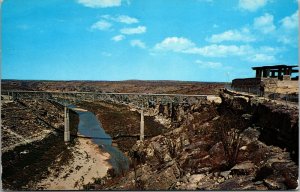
140 100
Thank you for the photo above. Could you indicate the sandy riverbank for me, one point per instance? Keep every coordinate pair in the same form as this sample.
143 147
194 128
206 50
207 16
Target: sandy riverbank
88 162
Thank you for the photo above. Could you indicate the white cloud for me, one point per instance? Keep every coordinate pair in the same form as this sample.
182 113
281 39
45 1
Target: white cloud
23 26
108 17
206 1
176 44
106 54
100 3
126 19
290 22
245 52
252 5
121 19
264 23
289 39
137 43
270 50
101 25
232 35
288 30
208 64
261 58
285 39
264 54
215 50
118 38
183 45
137 30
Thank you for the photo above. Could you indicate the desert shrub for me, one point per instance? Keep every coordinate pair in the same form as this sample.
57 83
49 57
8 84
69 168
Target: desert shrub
171 147
111 172
231 141
159 156
228 130
290 180
138 156
139 184
99 181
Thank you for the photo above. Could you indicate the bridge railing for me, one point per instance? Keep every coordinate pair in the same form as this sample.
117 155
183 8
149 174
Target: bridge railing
138 99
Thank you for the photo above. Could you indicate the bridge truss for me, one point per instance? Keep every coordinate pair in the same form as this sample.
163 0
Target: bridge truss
140 100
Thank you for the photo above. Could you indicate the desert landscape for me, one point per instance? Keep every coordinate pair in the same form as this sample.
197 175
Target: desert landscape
215 144
149 95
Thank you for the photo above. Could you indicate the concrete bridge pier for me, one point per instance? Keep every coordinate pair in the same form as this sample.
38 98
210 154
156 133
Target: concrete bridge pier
142 126
9 97
67 125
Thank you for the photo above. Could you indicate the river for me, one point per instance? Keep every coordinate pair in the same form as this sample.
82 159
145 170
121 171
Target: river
89 126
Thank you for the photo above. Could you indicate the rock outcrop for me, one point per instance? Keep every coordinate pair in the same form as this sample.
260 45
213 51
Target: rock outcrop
277 121
212 147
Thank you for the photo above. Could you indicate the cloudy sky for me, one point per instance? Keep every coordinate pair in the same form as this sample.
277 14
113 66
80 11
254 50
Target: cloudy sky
193 40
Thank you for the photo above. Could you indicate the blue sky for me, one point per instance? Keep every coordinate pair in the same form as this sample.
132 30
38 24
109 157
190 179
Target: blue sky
191 40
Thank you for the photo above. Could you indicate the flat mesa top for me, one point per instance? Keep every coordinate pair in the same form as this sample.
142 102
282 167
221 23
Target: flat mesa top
275 67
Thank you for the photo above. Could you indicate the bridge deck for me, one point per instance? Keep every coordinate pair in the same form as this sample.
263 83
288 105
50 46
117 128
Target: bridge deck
107 93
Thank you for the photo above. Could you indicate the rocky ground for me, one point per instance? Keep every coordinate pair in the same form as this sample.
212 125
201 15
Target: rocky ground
24 121
32 139
28 163
212 147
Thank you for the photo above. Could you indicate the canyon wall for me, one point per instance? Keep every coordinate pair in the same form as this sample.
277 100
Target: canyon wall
277 122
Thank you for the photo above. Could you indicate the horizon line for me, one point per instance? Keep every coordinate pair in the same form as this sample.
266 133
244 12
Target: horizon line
116 80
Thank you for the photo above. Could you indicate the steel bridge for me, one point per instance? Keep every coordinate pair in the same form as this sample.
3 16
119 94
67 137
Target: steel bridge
140 100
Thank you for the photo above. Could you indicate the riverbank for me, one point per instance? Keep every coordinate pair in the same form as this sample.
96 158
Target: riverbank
88 162
48 163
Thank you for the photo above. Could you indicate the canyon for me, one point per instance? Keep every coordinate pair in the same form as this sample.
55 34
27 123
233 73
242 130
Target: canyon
227 142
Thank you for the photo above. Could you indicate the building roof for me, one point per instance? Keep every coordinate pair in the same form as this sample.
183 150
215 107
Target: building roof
275 67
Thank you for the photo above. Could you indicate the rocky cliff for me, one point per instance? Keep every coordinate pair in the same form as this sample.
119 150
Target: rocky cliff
213 146
276 121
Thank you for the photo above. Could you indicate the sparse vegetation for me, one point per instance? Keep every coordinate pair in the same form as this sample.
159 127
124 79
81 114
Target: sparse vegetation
208 151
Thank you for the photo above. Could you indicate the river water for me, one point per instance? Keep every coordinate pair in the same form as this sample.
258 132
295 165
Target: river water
89 126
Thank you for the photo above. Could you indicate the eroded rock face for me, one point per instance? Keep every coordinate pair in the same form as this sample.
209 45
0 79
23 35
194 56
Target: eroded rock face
278 121
199 154
201 165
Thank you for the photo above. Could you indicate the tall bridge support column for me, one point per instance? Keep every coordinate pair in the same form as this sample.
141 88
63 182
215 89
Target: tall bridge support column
67 125
142 126
9 96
